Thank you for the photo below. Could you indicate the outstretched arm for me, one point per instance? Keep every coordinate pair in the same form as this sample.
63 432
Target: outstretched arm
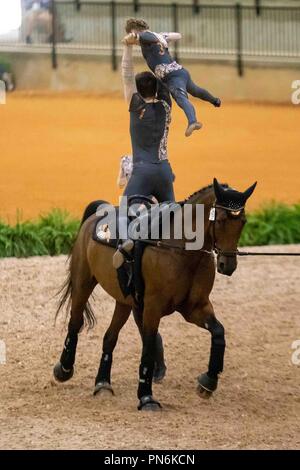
171 37
128 74
149 37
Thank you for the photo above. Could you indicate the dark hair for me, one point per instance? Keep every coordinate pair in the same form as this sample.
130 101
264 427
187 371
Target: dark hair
135 23
146 84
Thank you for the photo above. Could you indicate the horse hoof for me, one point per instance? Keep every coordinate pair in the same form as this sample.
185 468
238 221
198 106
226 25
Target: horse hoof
147 403
101 387
206 385
159 374
61 374
205 394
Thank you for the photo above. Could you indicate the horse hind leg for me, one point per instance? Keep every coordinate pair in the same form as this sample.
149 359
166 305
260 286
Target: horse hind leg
103 378
78 290
151 319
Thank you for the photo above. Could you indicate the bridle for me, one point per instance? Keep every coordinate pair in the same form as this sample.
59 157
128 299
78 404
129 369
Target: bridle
215 249
235 213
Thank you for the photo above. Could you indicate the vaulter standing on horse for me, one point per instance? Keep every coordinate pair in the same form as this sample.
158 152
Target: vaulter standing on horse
150 116
155 50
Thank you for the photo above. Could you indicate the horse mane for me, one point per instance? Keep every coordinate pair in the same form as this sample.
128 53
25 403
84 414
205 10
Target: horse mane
201 191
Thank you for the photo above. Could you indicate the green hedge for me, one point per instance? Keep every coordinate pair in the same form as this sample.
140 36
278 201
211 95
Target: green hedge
5 64
54 233
273 224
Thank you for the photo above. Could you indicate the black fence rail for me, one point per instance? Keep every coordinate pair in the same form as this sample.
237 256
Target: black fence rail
216 32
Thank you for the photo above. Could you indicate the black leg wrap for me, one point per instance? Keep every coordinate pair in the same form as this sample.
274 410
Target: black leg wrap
105 368
159 350
216 361
67 357
145 381
147 366
160 366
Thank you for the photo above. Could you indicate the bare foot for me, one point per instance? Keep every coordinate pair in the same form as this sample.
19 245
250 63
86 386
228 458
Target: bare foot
195 126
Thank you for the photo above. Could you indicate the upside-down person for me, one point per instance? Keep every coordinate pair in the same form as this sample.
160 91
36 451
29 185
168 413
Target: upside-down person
150 116
155 50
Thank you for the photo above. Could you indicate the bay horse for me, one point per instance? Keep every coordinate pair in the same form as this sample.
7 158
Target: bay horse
175 280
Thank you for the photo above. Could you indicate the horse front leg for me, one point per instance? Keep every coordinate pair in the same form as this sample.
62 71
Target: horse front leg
149 334
204 317
160 367
103 378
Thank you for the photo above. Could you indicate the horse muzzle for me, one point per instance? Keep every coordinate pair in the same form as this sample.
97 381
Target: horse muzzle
226 264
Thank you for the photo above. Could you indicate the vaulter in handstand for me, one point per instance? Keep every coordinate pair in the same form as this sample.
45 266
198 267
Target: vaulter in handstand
177 79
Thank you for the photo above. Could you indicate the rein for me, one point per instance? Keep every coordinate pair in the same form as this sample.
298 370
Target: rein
160 244
255 253
215 249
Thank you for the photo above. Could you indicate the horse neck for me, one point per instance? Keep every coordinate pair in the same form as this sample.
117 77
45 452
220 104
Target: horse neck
207 198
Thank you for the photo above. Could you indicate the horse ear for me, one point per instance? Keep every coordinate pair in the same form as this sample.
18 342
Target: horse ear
249 191
218 190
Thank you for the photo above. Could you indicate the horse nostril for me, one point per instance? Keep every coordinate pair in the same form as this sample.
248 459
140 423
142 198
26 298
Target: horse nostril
222 266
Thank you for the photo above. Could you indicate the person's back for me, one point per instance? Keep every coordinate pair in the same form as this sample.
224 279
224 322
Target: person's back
149 128
150 117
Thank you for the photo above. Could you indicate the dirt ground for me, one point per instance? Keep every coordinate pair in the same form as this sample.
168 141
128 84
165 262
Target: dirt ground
64 150
257 404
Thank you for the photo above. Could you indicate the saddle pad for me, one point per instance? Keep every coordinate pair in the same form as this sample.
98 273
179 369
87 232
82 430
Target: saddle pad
147 226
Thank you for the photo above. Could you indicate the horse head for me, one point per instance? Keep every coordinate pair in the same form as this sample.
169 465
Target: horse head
228 218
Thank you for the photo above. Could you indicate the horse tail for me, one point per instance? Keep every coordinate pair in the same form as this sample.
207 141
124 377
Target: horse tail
67 289
66 292
65 299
